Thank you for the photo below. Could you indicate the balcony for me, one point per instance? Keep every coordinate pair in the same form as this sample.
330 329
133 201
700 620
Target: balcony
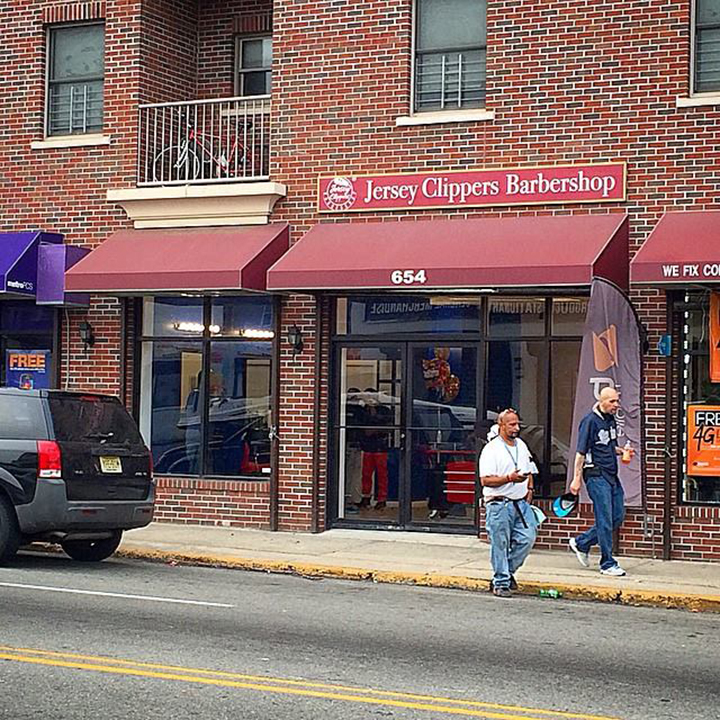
204 141
202 162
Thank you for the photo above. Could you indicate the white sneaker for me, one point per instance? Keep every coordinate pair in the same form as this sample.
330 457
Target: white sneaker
579 554
615 571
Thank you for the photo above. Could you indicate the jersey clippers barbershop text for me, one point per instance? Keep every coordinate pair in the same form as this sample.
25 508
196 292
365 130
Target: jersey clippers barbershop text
526 186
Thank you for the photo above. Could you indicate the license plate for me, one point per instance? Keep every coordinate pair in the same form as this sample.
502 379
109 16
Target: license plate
110 464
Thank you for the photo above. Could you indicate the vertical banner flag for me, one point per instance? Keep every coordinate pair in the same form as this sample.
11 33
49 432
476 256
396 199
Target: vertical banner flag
715 337
611 355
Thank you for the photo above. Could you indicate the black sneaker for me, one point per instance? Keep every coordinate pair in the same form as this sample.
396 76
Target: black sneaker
502 592
380 505
364 503
513 584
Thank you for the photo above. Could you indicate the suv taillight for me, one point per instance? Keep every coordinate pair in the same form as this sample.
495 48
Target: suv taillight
49 459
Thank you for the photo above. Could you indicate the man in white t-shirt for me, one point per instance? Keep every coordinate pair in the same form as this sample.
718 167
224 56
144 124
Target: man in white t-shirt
506 476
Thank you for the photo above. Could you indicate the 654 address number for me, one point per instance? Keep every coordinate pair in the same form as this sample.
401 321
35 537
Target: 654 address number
408 277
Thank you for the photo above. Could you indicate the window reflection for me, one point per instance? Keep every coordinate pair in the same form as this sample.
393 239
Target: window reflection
206 401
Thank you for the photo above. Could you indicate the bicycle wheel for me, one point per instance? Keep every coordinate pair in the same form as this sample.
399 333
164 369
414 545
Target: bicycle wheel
175 165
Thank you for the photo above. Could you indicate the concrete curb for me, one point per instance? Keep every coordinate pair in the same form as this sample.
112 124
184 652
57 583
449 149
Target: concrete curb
648 598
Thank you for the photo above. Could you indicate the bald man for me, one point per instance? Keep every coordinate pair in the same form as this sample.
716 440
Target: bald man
507 481
596 463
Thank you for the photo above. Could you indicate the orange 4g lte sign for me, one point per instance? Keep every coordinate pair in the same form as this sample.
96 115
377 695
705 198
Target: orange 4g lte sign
703 447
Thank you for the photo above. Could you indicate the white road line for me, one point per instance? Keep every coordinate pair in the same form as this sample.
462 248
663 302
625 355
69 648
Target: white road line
152 598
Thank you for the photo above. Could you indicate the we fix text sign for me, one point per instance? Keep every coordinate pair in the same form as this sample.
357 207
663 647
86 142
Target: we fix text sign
474 188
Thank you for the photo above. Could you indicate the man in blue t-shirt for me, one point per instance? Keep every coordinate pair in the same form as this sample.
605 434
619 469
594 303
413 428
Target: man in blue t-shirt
596 463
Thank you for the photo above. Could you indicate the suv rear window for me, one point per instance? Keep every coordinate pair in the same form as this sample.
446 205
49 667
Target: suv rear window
21 418
91 417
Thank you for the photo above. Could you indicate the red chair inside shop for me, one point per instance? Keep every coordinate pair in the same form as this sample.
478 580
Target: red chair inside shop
249 464
460 481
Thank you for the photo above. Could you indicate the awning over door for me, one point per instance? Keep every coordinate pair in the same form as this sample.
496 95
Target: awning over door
683 248
146 261
478 253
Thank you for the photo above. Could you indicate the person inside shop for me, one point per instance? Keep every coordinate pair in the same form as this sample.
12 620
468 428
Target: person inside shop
354 413
596 463
374 443
507 482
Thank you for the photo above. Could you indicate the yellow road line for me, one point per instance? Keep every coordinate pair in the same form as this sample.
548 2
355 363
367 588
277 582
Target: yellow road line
283 686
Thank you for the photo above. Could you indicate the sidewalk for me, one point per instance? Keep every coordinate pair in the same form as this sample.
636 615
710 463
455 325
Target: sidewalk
447 561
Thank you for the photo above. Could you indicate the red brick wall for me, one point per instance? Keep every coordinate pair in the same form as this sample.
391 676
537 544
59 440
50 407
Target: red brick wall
566 85
169 50
212 502
220 20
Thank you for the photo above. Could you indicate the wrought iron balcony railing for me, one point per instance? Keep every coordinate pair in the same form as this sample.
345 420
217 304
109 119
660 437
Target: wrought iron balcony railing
204 141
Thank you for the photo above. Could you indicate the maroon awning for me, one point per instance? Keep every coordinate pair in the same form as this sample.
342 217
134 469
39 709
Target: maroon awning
485 252
138 261
683 248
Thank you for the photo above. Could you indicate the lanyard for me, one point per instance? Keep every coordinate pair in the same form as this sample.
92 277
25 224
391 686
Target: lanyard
514 458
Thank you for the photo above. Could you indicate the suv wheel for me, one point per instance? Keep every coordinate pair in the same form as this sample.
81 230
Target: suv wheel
9 532
92 550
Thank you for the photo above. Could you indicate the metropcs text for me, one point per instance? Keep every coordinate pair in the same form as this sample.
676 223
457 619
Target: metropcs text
512 185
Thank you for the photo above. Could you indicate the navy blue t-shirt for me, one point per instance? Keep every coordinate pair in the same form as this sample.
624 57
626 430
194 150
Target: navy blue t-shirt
597 440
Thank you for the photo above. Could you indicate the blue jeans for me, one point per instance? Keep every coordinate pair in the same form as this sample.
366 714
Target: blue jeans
608 501
510 540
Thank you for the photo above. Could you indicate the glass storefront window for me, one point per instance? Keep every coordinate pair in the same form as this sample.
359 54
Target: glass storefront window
173 316
698 389
26 336
568 316
206 401
393 314
565 358
516 317
247 317
517 377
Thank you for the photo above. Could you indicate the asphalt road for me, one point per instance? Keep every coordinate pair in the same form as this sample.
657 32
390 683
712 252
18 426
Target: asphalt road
127 639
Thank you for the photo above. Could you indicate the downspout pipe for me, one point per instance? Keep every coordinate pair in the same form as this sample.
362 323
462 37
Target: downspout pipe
274 489
669 393
317 402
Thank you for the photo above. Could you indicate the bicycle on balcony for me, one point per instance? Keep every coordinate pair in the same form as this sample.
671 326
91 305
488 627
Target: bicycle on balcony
201 156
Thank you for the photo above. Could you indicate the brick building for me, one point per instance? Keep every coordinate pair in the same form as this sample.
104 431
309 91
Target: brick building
449 174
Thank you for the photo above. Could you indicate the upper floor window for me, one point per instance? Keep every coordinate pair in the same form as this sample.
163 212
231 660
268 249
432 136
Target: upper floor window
75 79
254 64
450 54
707 46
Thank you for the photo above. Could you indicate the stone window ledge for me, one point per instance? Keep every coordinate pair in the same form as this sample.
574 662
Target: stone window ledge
697 101
445 116
67 141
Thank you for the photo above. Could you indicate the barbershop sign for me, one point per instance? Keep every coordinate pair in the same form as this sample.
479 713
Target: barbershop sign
473 188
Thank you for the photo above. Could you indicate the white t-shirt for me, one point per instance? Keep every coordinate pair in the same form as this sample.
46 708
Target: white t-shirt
499 458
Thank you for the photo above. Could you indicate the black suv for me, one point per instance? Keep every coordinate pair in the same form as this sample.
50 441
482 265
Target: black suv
73 470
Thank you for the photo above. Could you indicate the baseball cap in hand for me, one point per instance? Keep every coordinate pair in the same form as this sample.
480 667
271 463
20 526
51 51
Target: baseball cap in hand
562 506
540 516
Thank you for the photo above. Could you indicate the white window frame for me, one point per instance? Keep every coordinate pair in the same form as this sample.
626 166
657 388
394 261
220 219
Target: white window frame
95 132
463 113
710 94
237 69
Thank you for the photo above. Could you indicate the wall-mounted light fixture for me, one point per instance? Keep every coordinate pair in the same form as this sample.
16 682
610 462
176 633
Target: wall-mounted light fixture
295 339
87 333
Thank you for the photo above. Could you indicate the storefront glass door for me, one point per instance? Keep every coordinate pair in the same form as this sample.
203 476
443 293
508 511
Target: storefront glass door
369 433
441 432
405 434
